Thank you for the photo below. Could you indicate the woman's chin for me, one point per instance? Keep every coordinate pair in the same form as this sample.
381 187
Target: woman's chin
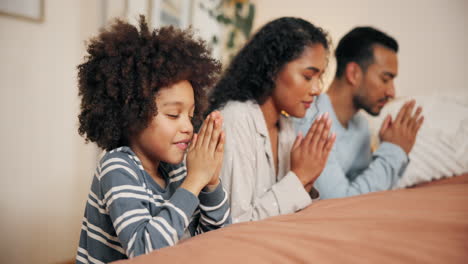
297 114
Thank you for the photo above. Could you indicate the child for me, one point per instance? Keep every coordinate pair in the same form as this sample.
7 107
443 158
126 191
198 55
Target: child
140 92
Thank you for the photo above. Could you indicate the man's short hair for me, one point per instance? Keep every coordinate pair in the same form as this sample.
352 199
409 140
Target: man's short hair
357 46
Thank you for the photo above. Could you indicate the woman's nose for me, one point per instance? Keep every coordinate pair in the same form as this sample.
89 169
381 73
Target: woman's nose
315 88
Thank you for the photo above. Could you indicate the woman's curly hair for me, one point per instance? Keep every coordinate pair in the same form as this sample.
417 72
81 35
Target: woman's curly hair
252 72
125 68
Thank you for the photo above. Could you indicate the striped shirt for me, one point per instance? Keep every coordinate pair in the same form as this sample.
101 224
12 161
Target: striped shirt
128 214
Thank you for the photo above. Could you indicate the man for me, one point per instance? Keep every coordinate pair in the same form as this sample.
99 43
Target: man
366 67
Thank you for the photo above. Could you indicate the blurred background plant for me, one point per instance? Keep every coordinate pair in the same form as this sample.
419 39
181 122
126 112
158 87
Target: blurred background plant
236 17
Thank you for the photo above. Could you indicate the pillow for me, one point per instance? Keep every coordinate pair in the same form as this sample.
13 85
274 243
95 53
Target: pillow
441 147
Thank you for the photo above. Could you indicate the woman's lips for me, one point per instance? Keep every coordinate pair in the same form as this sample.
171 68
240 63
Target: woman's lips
307 103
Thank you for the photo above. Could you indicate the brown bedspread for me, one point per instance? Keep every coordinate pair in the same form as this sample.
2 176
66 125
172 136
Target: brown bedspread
426 224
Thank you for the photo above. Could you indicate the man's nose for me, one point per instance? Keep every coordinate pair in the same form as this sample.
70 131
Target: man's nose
391 91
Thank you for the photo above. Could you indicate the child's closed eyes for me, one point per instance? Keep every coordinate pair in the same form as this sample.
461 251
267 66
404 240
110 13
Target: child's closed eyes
176 116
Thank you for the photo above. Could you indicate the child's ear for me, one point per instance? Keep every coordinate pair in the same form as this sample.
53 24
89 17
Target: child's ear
353 74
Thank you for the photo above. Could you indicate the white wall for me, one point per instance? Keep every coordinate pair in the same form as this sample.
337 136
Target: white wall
204 25
46 167
432 34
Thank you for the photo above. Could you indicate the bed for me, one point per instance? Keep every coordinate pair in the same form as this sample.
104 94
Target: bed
424 224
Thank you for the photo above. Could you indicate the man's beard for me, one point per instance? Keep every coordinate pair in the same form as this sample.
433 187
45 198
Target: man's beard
361 103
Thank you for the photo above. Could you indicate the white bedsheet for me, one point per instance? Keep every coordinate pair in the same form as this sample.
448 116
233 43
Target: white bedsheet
441 148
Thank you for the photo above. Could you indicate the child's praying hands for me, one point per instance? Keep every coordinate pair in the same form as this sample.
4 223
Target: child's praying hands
205 155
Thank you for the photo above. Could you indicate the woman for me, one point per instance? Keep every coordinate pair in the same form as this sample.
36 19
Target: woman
267 170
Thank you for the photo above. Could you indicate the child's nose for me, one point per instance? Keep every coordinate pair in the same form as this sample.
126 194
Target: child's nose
187 126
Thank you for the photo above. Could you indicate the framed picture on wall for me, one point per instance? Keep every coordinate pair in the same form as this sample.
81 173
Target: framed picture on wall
31 10
170 12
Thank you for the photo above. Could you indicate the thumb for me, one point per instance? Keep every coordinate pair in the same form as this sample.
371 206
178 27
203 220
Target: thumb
386 123
298 141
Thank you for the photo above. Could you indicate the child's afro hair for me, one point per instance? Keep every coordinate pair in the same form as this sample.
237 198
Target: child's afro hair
123 71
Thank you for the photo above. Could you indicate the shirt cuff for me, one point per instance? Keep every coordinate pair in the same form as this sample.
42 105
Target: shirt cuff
185 200
399 158
214 197
314 194
291 195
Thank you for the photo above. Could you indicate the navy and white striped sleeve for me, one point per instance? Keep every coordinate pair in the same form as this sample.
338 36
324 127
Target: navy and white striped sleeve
215 210
127 202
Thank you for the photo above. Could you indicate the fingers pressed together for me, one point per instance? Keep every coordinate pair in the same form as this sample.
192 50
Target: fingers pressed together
318 137
407 119
210 136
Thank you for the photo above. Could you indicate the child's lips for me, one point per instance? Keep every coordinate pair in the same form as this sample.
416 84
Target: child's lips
183 145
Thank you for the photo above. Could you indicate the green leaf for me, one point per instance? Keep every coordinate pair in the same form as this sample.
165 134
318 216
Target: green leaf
232 38
238 6
249 20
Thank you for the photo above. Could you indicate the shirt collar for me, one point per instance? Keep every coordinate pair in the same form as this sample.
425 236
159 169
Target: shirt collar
260 123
